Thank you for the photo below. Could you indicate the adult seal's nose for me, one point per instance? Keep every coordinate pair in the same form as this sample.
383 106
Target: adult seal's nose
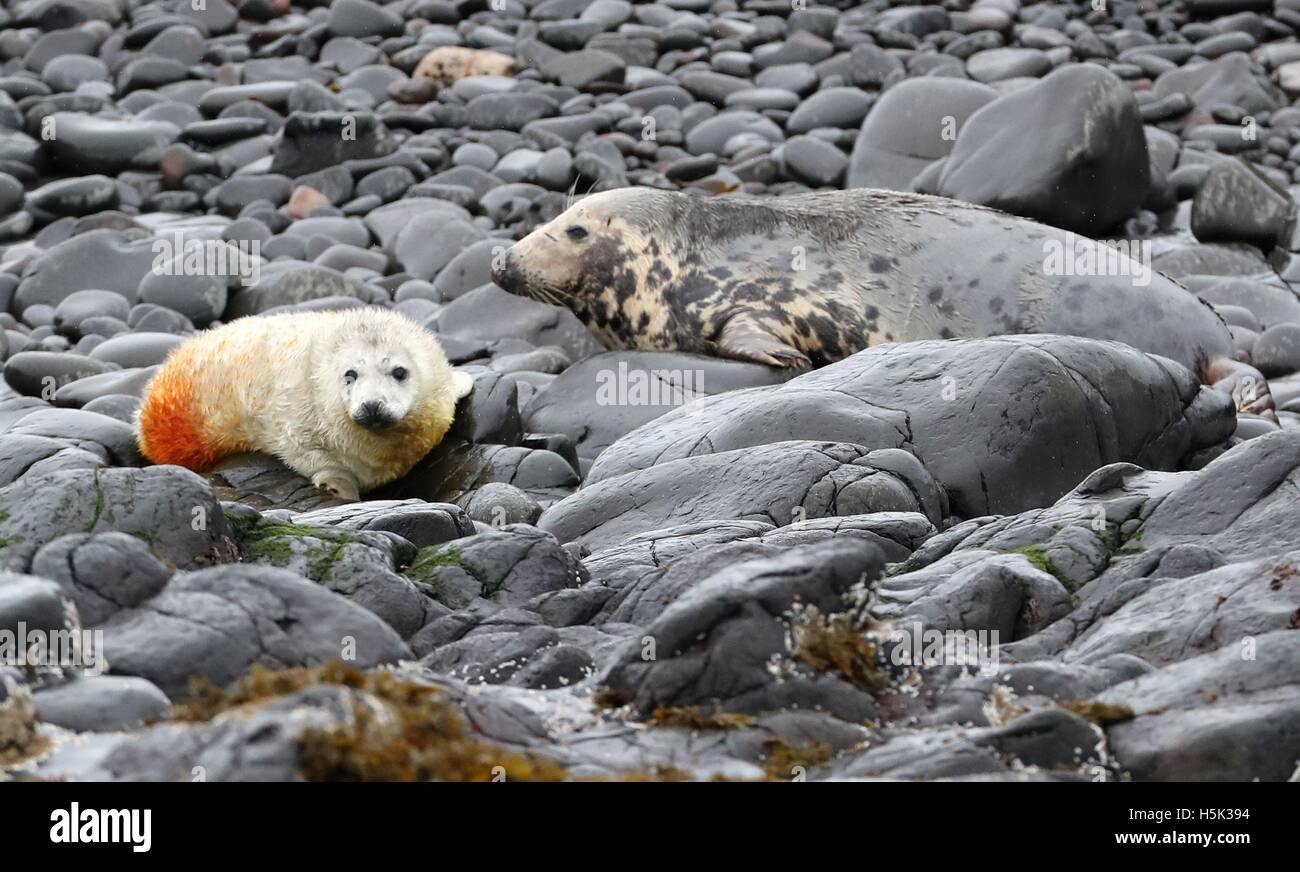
506 273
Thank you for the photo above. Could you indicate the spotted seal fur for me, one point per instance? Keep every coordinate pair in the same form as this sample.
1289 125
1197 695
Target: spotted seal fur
809 279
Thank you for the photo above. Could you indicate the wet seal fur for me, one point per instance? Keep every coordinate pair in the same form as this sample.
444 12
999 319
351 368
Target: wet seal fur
809 279
350 399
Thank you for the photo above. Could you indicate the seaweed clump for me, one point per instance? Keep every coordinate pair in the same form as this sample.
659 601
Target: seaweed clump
837 642
20 737
394 729
698 718
785 762
1100 713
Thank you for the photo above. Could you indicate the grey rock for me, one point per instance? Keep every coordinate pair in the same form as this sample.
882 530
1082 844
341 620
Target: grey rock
908 129
778 482
1007 63
509 111
1001 594
315 141
11 194
510 566
418 522
1227 80
608 395
814 162
98 259
469 269
101 703
21 455
75 197
491 313
136 349
216 623
286 283
120 406
102 573
499 504
709 137
717 643
509 655
37 603
200 298
80 305
1087 190
1270 303
644 575
387 221
983 463
430 242
582 68
830 107
88 144
43 373
163 504
357 564
1166 623
1277 350
83 429
1220 716
361 18
759 99
1238 204
455 468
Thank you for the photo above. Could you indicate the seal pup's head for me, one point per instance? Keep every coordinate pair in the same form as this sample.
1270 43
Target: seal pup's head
387 374
606 257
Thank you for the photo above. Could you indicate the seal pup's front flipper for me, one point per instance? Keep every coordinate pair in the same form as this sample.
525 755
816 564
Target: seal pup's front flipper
462 383
744 337
338 484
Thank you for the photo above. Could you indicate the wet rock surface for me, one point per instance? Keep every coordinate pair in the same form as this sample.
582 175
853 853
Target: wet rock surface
1031 557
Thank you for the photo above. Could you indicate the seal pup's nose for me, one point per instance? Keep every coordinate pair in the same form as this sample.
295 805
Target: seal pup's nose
373 416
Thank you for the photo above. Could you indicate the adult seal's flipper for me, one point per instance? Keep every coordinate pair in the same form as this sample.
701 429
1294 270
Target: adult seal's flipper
1247 385
744 337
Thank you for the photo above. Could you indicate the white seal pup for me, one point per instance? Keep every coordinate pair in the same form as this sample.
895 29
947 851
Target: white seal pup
350 399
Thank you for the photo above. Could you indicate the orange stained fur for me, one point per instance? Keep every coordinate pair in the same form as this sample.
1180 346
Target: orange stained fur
172 426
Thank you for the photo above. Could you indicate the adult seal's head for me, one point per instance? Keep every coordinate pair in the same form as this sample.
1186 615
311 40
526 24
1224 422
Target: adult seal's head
606 258
662 270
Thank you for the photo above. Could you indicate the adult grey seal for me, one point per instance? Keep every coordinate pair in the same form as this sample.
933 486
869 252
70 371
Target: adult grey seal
812 278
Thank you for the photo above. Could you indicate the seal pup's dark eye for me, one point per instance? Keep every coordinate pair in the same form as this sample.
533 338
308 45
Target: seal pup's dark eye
350 375
400 373
575 232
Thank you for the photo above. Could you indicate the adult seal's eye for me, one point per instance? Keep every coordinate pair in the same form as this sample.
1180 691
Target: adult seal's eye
576 233
400 373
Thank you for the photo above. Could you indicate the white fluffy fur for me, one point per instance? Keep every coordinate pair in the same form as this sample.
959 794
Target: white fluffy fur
284 384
